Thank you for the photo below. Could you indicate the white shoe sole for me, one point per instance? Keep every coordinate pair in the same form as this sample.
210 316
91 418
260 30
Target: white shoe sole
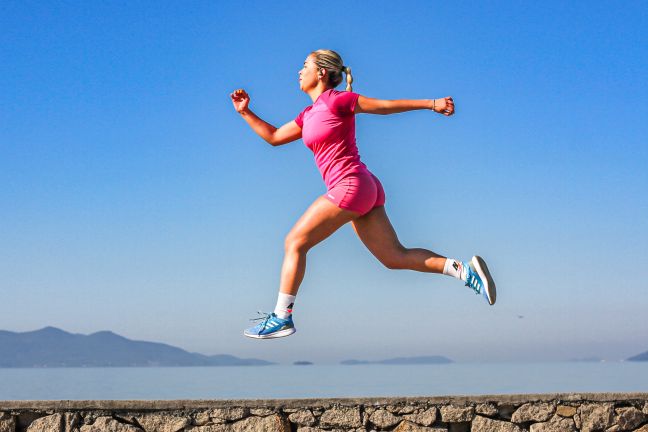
487 279
280 333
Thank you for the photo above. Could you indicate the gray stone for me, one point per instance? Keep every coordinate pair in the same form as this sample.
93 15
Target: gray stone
302 418
533 412
50 423
629 418
346 417
484 424
271 423
109 424
487 409
556 424
425 418
407 426
594 417
384 419
261 412
162 423
566 411
7 422
455 414
228 414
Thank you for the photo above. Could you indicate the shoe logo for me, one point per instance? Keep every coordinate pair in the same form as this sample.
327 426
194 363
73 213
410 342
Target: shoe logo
456 265
290 307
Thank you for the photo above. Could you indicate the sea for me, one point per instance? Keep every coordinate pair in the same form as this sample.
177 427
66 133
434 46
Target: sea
320 381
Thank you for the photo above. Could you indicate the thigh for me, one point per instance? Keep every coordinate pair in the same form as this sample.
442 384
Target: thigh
377 233
319 221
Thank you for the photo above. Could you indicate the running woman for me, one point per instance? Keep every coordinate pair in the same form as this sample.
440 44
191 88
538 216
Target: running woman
354 194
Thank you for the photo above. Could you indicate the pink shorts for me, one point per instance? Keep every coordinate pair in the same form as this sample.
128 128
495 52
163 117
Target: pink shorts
358 192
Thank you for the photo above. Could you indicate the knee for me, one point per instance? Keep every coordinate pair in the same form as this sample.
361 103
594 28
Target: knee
295 242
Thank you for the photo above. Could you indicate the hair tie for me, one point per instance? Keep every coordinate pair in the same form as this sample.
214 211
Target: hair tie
344 68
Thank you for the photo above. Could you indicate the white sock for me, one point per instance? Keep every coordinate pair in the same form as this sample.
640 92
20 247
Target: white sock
455 269
284 306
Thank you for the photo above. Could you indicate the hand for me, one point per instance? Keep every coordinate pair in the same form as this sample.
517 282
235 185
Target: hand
240 99
443 106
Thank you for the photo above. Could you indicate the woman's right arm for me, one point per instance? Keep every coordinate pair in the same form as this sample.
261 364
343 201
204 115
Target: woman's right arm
285 134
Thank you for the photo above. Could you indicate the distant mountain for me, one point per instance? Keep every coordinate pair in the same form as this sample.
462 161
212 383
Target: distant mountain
302 363
53 347
402 361
639 357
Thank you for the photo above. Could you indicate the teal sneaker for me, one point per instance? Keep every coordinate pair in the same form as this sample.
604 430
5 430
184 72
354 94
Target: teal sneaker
480 280
271 326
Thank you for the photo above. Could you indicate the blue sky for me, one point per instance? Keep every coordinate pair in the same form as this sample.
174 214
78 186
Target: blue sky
135 199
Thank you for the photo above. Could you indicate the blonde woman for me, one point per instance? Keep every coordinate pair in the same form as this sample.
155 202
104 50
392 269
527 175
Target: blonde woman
354 194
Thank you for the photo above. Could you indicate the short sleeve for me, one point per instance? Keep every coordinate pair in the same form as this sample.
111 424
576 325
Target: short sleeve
300 118
345 102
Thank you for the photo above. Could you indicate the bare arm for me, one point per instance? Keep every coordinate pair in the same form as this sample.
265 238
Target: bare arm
285 134
443 106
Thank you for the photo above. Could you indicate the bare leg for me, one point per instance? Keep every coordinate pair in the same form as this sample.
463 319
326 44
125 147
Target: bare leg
319 221
376 232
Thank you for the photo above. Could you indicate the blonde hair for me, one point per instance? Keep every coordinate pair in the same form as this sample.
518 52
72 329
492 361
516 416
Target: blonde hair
332 62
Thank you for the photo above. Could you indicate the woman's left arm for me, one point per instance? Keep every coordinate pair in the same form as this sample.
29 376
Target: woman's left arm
443 106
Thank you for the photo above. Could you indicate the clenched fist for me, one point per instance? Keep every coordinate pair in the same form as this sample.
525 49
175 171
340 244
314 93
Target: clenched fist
444 106
240 99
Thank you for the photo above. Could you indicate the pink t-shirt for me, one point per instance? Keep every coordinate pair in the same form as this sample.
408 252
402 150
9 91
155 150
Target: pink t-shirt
328 129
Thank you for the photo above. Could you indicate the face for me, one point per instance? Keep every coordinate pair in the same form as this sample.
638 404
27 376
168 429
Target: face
308 75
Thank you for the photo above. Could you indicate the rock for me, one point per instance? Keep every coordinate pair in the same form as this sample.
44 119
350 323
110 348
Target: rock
7 422
71 422
302 418
556 424
487 409
406 409
210 428
407 426
643 428
425 418
162 423
346 417
384 419
202 418
645 408
50 423
109 424
271 423
484 424
453 414
261 412
594 417
533 412
566 411
228 414
629 418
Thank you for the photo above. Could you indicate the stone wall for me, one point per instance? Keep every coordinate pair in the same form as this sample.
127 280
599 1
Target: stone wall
602 412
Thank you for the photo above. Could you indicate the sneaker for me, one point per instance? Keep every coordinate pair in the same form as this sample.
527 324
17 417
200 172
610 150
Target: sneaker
271 326
480 279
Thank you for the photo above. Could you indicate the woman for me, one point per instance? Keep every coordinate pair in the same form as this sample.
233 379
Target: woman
353 193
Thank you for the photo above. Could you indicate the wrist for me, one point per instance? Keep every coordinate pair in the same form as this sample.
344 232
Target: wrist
432 104
245 111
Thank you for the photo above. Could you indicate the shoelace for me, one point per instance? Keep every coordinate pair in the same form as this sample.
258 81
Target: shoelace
265 317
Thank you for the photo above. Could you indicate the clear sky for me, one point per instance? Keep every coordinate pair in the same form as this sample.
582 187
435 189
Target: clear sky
134 198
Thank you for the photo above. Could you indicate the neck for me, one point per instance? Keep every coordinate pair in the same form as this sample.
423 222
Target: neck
317 91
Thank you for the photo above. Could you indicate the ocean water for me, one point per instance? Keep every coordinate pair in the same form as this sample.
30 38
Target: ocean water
290 381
